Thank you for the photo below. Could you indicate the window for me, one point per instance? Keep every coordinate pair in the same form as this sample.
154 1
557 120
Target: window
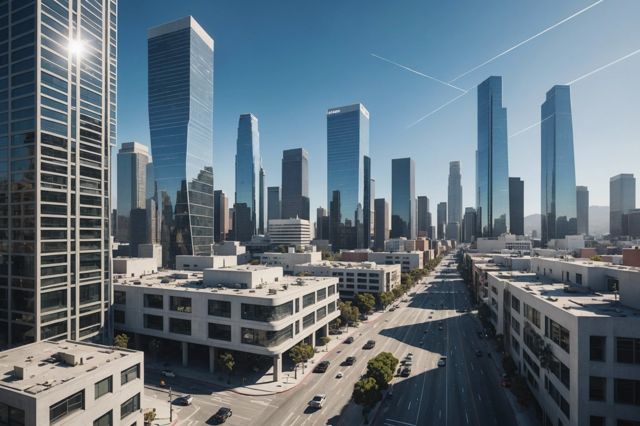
67 406
180 326
104 420
627 391
558 398
103 387
129 406
265 338
308 300
129 374
308 320
515 303
119 316
515 325
119 298
578 278
321 313
219 331
266 313
597 388
557 333
623 422
331 290
154 301
560 370
321 294
532 315
10 416
628 350
219 308
153 322
531 363
596 421
180 304
597 346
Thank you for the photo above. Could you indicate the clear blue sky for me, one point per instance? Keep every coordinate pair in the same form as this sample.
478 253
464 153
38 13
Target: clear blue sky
288 61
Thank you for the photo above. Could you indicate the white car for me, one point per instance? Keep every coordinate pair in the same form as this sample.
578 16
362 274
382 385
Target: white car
168 373
318 401
339 375
184 400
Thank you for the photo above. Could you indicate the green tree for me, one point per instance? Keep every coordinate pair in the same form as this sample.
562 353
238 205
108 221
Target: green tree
300 354
596 258
324 341
348 312
365 302
336 323
121 341
228 363
386 298
366 392
149 416
381 368
397 292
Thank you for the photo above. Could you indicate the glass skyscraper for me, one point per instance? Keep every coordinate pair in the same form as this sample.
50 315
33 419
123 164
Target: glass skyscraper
557 166
492 160
131 225
454 193
57 127
403 198
295 184
582 206
516 206
248 165
181 124
622 199
423 217
348 176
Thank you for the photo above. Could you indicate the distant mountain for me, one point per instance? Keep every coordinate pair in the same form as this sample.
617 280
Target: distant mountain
598 221
531 223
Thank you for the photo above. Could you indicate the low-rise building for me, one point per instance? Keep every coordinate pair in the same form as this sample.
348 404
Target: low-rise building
503 242
407 260
200 263
290 259
250 309
71 383
355 277
290 232
134 266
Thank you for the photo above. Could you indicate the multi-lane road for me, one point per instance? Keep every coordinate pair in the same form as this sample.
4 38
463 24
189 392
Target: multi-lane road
430 325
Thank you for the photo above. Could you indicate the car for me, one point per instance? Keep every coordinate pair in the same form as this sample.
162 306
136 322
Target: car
408 363
222 415
339 375
318 401
442 362
409 356
349 340
478 353
406 372
440 328
421 342
350 360
167 373
392 309
184 400
321 367
369 345
335 332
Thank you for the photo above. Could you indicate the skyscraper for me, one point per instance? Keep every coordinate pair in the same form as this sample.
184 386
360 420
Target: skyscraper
622 199
273 203
181 124
516 206
381 223
469 231
442 220
322 224
55 277
492 160
582 208
423 216
262 194
220 216
348 175
454 199
295 184
558 184
403 198
247 178
133 158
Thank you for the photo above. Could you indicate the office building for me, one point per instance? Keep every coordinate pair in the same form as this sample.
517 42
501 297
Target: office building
442 220
423 216
248 166
287 261
295 184
133 158
469 231
403 198
381 233
220 216
582 209
151 206
273 203
622 199
322 224
631 223
181 79
58 168
408 260
492 160
454 193
558 184
262 193
250 309
71 383
290 232
452 231
348 175
516 206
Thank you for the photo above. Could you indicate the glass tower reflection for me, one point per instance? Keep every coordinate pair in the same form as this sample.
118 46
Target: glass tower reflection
348 175
558 184
492 160
247 178
403 198
181 124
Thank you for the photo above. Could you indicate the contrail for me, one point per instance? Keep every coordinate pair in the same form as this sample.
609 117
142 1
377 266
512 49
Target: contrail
437 109
418 72
530 127
527 40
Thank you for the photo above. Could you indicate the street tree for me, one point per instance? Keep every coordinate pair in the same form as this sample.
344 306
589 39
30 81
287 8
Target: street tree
381 368
121 341
324 341
228 363
365 302
386 298
366 392
300 354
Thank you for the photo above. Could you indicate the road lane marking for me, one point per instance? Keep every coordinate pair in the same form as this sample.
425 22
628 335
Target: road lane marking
409 407
467 416
401 422
479 397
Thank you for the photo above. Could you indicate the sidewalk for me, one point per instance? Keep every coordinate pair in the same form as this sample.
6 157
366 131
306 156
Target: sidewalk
162 410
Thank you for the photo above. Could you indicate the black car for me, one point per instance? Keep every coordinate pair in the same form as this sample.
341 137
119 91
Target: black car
369 345
321 367
405 372
222 415
349 339
350 360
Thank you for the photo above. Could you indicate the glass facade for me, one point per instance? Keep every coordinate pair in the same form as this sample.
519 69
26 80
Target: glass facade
403 198
295 184
181 127
252 336
492 161
131 218
558 184
347 180
516 206
622 198
454 193
266 313
248 165
273 203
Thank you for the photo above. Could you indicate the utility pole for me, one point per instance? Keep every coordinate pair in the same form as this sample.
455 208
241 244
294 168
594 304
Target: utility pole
170 406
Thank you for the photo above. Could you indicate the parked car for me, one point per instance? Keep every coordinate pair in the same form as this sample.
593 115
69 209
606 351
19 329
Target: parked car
442 362
167 373
369 345
321 367
318 401
222 415
350 360
339 375
335 332
184 400
349 339
406 372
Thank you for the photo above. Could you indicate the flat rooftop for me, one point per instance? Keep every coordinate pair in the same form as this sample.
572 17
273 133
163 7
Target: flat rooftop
578 301
192 281
45 369
365 266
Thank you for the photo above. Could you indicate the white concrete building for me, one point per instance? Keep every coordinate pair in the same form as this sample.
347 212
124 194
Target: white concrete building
200 263
503 242
151 250
575 341
399 244
252 309
290 232
288 260
408 260
355 277
134 266
71 383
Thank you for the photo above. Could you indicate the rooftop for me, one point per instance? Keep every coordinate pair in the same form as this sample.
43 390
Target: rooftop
40 367
349 265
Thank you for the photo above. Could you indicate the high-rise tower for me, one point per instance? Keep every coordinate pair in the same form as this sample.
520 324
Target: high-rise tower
403 198
248 165
295 184
131 225
454 192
